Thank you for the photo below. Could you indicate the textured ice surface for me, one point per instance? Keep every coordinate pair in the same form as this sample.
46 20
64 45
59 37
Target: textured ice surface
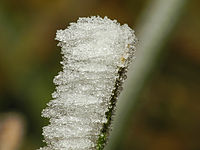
94 49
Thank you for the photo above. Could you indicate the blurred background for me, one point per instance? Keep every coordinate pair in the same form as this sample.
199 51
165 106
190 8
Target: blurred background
168 115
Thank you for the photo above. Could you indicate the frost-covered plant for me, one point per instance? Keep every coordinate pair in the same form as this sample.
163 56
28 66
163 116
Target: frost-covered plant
96 54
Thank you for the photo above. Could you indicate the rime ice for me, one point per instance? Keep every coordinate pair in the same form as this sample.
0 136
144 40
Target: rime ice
93 50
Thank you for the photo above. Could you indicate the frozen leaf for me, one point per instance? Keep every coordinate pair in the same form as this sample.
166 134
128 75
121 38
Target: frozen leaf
96 53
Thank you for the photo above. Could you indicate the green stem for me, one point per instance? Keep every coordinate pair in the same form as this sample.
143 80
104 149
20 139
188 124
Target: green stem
103 137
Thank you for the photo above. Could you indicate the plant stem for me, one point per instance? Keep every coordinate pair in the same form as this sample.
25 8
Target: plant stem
155 26
103 137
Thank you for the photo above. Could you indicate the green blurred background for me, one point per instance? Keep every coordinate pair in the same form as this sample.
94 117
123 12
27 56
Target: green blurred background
168 116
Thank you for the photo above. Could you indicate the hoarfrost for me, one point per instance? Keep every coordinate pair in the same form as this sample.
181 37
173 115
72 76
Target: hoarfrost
94 49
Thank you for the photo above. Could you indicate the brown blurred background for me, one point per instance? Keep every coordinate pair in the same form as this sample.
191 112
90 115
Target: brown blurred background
168 116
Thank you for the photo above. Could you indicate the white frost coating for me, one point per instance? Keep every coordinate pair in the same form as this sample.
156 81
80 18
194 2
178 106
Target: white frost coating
93 50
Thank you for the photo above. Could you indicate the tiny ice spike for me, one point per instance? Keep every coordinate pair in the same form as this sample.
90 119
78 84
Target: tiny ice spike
96 54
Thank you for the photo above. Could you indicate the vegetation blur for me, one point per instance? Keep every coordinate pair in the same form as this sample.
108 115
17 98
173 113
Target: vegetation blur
168 110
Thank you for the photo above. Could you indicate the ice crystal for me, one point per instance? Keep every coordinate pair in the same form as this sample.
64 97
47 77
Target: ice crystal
96 53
